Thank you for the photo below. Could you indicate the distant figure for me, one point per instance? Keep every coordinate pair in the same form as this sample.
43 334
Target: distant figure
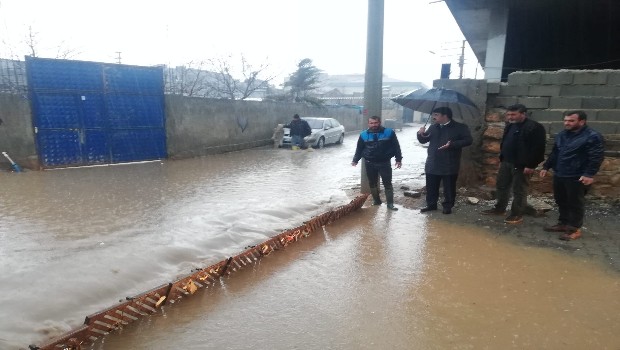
576 157
521 150
377 145
299 129
278 135
446 139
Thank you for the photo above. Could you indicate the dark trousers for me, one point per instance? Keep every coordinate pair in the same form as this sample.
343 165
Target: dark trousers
511 178
569 195
383 169
449 190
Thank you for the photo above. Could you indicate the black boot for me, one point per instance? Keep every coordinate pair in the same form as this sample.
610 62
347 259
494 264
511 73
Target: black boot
389 198
376 200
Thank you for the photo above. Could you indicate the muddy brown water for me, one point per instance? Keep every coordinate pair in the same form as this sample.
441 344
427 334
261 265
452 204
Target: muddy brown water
76 241
381 280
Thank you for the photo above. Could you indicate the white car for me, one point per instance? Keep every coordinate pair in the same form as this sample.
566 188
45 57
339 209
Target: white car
324 131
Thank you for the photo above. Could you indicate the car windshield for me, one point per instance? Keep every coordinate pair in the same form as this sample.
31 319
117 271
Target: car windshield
315 123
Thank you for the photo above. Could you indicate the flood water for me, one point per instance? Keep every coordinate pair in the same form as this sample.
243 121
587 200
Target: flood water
75 241
379 280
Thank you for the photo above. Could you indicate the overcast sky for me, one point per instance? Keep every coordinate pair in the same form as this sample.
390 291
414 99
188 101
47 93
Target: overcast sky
281 32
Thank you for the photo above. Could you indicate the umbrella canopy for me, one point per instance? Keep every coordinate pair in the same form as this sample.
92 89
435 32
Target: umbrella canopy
425 101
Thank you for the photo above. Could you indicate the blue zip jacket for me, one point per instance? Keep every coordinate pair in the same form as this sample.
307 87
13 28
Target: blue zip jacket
576 154
378 146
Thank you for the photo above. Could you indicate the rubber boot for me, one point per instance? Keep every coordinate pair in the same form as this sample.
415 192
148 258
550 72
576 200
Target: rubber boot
389 198
376 200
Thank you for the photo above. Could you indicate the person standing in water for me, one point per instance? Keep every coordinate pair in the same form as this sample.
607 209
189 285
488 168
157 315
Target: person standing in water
377 145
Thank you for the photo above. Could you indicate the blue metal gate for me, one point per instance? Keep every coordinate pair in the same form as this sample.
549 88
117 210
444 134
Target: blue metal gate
96 113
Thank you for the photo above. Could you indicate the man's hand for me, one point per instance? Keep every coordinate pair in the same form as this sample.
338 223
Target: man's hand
354 163
543 173
586 180
422 130
528 171
398 165
445 146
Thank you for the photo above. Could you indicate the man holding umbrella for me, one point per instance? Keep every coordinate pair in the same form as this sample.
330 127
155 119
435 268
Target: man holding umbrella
446 139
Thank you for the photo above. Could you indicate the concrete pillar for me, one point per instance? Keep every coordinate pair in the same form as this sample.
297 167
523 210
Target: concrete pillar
496 43
373 79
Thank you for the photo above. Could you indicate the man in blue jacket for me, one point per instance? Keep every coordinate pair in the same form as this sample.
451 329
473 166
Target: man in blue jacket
377 145
446 139
576 157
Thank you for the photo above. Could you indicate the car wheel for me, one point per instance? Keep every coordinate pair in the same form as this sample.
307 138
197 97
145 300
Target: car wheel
321 143
341 139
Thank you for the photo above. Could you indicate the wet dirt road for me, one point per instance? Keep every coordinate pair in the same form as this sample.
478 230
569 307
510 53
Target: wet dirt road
78 240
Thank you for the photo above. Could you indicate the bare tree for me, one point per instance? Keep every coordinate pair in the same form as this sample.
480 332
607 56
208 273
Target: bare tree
187 80
217 78
35 49
225 85
31 41
65 52
252 78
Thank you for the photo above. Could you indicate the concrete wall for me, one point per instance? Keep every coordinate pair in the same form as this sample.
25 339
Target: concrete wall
194 126
198 126
16 131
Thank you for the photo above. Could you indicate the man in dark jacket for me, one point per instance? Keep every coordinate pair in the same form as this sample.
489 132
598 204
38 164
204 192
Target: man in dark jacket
299 129
377 145
576 157
446 140
521 150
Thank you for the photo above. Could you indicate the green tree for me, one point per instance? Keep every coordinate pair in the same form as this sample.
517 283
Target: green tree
303 81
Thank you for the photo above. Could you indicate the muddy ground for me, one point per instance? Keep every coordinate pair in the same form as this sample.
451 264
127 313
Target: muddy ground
601 233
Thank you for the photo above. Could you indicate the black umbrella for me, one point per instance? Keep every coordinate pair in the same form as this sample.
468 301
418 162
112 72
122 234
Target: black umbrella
425 101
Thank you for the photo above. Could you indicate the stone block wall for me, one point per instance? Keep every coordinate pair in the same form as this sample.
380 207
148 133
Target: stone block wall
547 95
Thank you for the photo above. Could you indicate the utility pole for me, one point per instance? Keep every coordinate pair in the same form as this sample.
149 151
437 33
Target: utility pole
462 60
373 78
118 57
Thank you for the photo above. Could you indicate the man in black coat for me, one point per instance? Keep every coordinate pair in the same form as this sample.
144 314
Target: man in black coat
299 129
446 140
521 150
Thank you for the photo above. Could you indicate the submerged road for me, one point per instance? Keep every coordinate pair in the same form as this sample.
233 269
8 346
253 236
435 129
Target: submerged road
75 241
